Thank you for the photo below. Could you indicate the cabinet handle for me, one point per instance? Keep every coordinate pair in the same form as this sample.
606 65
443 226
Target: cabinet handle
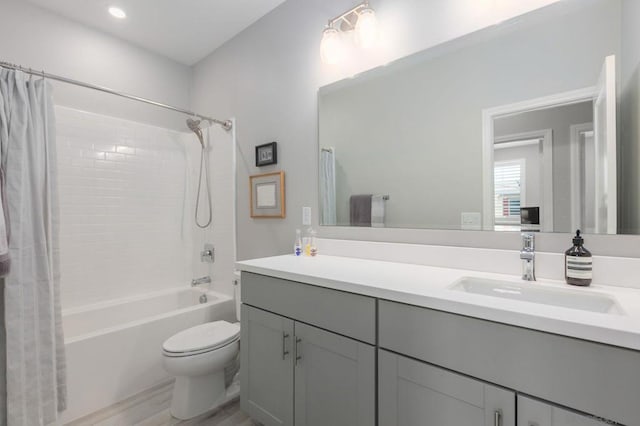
497 418
298 356
285 352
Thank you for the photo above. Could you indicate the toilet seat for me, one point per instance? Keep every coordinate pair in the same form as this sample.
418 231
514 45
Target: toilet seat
201 339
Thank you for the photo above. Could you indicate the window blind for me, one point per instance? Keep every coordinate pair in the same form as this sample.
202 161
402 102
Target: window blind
507 189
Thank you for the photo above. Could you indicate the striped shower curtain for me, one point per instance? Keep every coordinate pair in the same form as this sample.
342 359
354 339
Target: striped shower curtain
35 388
327 186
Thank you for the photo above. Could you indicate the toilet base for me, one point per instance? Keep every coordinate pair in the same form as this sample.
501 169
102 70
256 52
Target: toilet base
193 396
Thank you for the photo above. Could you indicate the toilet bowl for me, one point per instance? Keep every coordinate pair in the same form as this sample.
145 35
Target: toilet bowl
197 357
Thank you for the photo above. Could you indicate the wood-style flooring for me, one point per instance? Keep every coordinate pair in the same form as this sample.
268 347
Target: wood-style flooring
228 415
151 408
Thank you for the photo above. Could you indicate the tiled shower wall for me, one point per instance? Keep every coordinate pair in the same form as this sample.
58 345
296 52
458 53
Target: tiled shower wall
126 225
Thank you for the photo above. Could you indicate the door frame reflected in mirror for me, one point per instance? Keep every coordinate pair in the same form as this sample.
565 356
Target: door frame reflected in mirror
489 115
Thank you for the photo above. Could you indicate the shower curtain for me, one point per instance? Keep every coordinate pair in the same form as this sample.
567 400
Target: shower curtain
327 186
34 358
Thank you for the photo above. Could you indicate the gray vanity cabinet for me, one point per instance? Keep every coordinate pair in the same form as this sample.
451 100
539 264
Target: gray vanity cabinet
532 412
307 355
334 379
267 362
413 393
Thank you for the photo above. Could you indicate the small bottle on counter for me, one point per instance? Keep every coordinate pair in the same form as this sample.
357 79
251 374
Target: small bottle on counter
306 241
297 246
313 248
578 263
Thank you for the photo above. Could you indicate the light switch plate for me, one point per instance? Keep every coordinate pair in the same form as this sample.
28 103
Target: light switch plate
306 216
471 220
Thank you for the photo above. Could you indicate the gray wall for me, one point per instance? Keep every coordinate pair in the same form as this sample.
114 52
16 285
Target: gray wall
36 38
268 76
560 120
629 146
413 130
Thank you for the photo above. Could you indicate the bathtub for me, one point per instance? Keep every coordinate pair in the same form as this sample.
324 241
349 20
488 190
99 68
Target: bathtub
114 348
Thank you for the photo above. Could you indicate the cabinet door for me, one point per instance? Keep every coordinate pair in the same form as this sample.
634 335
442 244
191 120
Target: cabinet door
334 379
413 393
266 374
532 412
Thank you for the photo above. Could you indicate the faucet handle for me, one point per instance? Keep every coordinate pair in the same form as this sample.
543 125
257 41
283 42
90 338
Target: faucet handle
528 241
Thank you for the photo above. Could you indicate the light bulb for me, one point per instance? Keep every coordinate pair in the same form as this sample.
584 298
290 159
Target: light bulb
331 47
116 12
367 28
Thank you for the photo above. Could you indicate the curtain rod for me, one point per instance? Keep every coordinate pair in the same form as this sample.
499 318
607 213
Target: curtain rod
226 124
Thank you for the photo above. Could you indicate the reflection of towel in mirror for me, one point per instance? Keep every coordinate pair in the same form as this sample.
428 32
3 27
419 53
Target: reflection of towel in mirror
360 210
5 261
377 211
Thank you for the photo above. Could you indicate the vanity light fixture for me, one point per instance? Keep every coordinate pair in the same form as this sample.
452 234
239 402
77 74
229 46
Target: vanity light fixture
361 19
116 12
331 46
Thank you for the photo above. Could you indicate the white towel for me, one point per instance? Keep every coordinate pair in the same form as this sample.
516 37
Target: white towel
377 211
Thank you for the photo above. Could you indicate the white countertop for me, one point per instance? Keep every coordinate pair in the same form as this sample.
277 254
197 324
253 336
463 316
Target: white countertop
428 286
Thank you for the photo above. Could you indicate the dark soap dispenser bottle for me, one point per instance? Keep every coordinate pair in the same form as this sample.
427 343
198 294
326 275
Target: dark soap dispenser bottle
578 263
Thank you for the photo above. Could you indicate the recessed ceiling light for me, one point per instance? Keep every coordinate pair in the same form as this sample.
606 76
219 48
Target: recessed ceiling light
117 12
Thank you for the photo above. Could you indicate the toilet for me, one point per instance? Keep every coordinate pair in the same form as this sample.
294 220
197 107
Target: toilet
197 357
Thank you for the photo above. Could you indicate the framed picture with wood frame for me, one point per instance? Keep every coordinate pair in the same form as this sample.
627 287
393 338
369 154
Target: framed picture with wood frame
267 195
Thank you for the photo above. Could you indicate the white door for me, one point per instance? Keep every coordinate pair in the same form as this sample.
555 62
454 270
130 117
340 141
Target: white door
605 133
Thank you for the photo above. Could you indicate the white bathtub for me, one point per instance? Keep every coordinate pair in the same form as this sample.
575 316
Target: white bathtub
114 348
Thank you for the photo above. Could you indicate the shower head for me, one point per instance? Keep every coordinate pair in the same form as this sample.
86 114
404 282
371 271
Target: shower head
194 126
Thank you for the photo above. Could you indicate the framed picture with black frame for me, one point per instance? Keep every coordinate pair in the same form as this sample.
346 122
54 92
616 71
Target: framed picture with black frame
267 154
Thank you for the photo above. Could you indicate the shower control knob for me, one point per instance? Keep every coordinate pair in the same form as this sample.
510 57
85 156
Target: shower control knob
208 254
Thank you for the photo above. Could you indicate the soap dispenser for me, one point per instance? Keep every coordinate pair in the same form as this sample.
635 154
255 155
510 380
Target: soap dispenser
578 263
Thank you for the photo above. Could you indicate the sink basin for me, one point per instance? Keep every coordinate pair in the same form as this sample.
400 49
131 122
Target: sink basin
528 292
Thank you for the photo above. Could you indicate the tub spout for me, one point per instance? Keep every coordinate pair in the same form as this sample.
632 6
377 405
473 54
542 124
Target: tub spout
201 280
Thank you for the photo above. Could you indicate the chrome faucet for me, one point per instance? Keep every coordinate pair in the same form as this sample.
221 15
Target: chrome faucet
201 280
528 256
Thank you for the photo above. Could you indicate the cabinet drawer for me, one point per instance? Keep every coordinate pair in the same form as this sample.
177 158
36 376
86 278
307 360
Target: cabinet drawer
340 312
413 393
538 413
585 376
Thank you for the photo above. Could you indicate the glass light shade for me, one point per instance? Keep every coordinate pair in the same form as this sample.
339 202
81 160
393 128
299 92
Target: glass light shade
367 29
331 47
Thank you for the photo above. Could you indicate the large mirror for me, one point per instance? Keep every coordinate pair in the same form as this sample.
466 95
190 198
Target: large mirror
530 124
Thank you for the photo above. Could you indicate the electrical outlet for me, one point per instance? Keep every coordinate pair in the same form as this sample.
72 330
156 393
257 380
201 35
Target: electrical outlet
470 220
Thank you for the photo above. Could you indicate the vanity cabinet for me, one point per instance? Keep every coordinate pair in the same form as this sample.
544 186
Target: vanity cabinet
310 356
334 379
587 377
537 413
296 373
413 393
267 363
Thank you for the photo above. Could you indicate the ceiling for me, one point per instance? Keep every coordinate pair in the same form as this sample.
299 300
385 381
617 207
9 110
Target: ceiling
183 30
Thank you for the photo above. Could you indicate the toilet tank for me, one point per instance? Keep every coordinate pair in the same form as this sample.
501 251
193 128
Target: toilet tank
236 293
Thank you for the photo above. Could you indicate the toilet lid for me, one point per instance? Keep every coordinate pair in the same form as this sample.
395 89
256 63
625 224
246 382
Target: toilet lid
209 336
